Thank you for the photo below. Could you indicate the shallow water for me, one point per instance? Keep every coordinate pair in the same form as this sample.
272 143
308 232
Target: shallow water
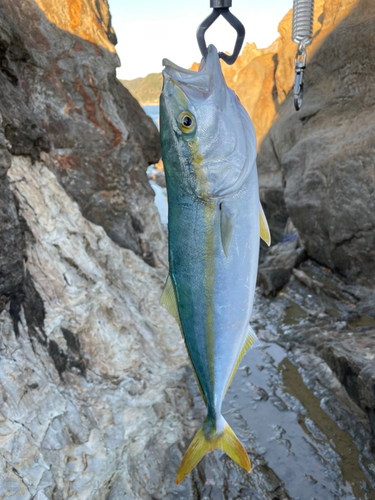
153 112
310 454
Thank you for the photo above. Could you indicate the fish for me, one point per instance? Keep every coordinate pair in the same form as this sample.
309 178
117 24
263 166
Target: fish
215 219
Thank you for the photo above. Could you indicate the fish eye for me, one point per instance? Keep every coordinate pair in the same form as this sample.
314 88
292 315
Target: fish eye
186 122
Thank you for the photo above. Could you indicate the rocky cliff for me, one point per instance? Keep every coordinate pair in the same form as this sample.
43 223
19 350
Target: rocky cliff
92 370
60 95
91 367
317 166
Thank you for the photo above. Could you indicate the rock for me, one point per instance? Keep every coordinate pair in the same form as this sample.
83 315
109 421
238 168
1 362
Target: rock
306 280
352 360
60 95
343 336
11 234
159 178
278 265
341 325
320 160
272 279
92 368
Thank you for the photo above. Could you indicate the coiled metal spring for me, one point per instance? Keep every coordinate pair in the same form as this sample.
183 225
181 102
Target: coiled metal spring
302 30
303 19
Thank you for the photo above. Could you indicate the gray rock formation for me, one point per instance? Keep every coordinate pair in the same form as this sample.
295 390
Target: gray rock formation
92 369
60 94
278 263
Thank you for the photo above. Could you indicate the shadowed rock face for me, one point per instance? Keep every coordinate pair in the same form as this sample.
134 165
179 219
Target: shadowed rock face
60 94
317 165
324 154
88 357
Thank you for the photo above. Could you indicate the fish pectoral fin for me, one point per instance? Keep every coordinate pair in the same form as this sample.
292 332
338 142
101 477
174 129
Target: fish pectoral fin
250 342
168 300
263 224
227 442
227 225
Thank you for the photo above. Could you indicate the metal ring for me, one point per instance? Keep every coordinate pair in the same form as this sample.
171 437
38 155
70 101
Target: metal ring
233 21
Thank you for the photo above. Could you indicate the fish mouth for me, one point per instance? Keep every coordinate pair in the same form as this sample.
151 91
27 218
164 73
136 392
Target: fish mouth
202 81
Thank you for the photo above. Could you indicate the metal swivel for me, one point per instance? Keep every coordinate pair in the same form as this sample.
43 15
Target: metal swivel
303 19
221 8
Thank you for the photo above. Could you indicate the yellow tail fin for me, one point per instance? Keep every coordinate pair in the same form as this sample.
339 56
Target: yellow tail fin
227 441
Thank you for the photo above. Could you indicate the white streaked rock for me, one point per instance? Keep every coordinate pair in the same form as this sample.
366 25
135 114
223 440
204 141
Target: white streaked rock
75 436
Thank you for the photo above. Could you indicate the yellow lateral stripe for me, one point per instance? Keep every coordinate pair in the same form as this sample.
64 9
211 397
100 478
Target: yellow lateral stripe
209 207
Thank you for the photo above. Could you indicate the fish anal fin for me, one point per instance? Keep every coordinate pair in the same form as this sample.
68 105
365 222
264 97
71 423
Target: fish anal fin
250 342
227 225
227 441
168 300
263 226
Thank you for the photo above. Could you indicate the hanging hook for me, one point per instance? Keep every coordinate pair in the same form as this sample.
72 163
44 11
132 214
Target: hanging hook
300 66
221 8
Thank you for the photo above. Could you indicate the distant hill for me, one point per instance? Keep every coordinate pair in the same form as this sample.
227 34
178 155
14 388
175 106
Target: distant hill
146 90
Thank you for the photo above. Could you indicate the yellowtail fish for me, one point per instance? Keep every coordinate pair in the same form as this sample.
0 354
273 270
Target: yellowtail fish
214 221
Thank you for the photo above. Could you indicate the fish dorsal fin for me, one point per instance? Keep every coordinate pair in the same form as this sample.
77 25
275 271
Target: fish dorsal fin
168 300
264 229
250 342
227 225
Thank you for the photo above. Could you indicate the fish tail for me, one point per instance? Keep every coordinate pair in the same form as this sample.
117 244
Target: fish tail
204 442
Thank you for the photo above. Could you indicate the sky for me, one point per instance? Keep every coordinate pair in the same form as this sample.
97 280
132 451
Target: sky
149 30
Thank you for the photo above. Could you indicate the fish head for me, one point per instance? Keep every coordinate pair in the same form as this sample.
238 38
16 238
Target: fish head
207 138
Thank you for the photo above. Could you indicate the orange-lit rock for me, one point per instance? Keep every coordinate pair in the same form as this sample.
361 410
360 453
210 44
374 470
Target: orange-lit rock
59 94
84 18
